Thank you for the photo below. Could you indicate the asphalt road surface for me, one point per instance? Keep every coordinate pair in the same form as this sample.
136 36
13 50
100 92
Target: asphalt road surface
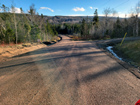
67 73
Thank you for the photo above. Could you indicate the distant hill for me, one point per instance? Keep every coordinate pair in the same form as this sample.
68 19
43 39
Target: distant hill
72 19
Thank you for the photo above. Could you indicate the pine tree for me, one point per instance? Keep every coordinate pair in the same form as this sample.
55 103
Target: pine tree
4 8
96 19
83 26
28 30
42 16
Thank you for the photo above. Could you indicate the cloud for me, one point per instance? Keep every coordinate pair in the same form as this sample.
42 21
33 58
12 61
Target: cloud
16 10
138 7
123 15
120 14
78 9
91 7
46 8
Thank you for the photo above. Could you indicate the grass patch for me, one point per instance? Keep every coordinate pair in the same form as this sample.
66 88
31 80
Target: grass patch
130 50
75 38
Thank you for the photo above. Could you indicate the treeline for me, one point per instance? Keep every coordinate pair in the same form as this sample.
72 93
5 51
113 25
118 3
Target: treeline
32 27
22 28
101 29
108 27
68 28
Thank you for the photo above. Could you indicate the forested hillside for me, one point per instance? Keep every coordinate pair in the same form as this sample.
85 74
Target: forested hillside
32 27
21 28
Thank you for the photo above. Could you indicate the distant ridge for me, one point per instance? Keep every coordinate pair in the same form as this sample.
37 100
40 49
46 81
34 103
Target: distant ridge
73 19
58 19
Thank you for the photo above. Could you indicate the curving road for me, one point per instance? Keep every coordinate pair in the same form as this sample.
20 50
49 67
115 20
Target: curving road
67 73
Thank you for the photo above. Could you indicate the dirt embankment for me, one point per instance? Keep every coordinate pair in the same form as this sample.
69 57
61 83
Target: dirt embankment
8 52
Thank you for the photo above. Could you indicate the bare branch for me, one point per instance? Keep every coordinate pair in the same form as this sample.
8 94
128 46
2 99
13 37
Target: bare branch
107 11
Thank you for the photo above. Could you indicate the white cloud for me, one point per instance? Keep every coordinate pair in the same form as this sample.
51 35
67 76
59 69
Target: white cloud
123 15
16 10
91 7
138 7
78 9
120 14
46 8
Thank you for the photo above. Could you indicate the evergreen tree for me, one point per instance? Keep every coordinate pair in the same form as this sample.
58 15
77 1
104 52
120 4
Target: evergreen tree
42 16
28 30
96 18
21 10
9 35
83 28
4 8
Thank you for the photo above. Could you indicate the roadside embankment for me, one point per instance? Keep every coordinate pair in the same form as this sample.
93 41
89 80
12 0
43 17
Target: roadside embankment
7 52
59 38
129 52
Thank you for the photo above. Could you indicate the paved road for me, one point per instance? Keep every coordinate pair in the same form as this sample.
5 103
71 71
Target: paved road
67 73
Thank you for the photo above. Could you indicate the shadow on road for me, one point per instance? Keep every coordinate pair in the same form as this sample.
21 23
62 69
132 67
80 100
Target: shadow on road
52 50
54 58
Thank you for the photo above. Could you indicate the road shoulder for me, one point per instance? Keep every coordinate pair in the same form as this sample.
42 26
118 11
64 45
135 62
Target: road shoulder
129 67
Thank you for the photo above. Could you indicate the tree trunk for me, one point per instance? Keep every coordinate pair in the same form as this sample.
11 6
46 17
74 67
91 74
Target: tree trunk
9 39
15 28
133 31
29 37
137 27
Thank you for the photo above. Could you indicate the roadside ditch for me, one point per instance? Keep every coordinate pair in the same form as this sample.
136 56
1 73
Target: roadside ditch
109 49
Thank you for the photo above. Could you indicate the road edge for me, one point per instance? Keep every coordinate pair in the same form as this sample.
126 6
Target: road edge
127 66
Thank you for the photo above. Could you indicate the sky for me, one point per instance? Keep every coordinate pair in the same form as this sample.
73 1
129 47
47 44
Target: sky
72 7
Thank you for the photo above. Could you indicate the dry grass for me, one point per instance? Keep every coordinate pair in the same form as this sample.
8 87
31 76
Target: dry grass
131 50
75 37
8 52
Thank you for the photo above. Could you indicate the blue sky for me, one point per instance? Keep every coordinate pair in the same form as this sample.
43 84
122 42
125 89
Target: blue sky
73 7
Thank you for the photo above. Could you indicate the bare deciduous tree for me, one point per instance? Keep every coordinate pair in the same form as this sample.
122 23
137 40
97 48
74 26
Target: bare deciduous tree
32 12
15 23
137 11
114 12
106 12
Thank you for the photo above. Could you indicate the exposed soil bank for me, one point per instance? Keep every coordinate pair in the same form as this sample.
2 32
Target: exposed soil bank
6 53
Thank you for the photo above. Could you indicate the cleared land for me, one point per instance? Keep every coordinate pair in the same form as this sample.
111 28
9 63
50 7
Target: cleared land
67 73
